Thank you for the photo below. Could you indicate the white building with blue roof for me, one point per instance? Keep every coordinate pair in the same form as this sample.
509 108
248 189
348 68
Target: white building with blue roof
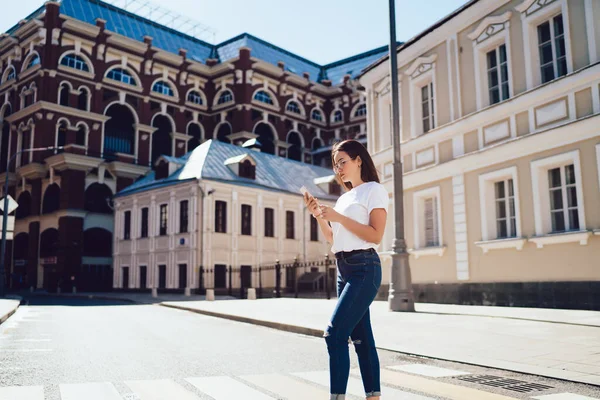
217 207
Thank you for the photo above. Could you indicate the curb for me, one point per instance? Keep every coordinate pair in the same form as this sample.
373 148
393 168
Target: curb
319 333
10 313
82 296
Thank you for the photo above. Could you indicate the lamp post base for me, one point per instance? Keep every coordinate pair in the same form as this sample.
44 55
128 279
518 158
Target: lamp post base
400 296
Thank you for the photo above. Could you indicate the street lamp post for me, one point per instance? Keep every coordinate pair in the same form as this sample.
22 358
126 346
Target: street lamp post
400 293
5 212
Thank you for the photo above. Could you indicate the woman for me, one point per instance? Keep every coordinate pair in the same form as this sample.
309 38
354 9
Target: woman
354 227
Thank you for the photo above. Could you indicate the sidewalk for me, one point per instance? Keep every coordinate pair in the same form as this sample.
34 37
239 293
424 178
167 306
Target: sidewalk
519 339
137 298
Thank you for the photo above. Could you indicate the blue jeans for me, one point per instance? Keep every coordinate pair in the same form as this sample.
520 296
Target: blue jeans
359 278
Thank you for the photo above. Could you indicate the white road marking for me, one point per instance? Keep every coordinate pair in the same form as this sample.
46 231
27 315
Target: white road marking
226 388
564 396
160 389
22 393
89 391
428 370
286 387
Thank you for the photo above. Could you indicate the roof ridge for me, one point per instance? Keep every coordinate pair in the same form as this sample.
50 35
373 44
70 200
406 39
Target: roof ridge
357 56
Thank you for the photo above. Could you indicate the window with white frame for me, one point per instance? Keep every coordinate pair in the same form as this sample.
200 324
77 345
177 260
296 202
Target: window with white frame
263 97
76 62
293 107
422 95
361 111
547 40
499 201
162 87
551 45
497 74
316 115
121 75
506 218
225 97
427 219
195 97
427 107
491 51
338 116
558 194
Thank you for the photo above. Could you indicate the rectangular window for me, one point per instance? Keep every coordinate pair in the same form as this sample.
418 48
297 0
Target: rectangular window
163 219
289 224
183 216
144 227
563 199
246 219
506 219
220 216
551 43
127 225
269 222
432 237
314 229
427 108
497 70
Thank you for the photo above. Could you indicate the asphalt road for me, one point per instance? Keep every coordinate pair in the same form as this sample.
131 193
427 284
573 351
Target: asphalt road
149 352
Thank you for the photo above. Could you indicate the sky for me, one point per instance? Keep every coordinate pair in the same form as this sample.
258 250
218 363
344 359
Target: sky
322 31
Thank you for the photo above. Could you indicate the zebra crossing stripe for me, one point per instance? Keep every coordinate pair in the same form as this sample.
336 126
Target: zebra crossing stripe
435 388
428 370
226 388
89 391
286 387
22 393
160 389
356 388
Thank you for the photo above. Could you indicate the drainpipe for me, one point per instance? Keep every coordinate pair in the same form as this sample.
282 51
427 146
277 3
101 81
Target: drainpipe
201 228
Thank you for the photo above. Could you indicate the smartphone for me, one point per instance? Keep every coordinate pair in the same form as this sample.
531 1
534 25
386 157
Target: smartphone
304 190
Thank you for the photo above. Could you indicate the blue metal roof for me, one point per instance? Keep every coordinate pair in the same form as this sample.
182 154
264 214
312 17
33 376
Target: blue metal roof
136 27
207 162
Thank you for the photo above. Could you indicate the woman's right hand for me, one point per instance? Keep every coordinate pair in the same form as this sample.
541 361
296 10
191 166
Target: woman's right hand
312 204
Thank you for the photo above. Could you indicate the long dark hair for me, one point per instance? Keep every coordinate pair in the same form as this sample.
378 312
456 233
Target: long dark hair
368 172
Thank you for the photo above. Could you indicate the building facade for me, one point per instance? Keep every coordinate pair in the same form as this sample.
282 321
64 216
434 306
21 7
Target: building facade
218 207
114 92
500 117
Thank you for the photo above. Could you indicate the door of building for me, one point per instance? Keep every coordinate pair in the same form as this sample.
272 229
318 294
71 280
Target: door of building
143 277
162 276
125 278
182 276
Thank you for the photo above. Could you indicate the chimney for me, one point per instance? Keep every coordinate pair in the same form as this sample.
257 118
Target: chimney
211 62
306 75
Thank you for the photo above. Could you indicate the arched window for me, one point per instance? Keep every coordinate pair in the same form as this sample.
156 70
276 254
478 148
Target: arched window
119 131
294 108
97 242
162 87
64 93
195 97
338 116
33 61
266 137
223 132
96 198
317 159
361 111
51 201
61 134
80 136
294 151
49 243
9 74
82 100
263 97
317 115
74 61
24 209
225 97
162 142
196 133
121 75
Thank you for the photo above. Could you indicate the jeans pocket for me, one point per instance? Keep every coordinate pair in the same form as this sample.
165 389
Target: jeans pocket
355 261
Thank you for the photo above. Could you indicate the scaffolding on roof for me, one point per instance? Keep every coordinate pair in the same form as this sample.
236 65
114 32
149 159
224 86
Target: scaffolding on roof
166 17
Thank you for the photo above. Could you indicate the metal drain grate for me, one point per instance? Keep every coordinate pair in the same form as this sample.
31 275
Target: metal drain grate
505 383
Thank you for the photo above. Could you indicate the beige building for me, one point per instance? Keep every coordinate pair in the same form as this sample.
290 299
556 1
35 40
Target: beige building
217 207
500 132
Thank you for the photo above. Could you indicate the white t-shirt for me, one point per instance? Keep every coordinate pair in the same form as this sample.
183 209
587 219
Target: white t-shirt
357 204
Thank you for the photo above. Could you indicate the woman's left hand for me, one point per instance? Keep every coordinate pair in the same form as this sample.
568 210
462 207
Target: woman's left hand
329 214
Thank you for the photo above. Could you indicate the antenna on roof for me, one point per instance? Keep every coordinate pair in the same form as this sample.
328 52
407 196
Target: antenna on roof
166 17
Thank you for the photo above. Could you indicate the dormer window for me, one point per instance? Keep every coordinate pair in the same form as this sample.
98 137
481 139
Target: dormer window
162 87
162 170
243 166
263 97
247 170
335 189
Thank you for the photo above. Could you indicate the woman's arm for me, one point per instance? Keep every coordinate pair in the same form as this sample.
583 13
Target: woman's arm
313 207
326 229
372 233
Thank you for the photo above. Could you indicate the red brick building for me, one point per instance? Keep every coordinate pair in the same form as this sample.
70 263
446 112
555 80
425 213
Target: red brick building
116 91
